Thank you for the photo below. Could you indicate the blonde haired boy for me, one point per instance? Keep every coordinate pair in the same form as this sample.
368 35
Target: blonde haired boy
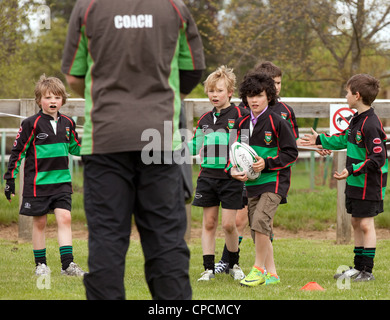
222 73
215 186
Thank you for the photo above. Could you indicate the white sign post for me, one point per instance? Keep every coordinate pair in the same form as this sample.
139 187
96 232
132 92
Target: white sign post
340 118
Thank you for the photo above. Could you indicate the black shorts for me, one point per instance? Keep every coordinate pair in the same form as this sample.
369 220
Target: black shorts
213 192
363 208
244 197
39 206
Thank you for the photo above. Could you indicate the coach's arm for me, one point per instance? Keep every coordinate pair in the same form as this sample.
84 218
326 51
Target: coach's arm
77 84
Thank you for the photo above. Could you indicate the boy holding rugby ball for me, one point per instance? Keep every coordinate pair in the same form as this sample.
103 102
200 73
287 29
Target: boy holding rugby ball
273 140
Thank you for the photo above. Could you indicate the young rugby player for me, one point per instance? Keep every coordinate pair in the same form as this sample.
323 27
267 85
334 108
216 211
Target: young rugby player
365 172
214 185
286 112
273 140
45 141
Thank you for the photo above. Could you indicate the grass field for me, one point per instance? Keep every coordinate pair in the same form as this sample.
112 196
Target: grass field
298 261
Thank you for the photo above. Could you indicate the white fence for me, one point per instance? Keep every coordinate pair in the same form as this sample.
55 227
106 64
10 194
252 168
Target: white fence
303 108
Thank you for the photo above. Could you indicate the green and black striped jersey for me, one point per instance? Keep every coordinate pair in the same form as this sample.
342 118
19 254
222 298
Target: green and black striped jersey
273 140
211 140
367 162
46 146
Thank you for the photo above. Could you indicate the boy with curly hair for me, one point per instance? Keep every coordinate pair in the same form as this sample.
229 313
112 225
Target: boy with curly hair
273 140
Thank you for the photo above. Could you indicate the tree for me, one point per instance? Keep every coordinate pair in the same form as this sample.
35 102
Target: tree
319 44
61 9
206 16
351 33
266 30
23 56
13 31
45 53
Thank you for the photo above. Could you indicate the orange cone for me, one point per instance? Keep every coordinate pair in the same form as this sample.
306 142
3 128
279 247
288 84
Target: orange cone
312 286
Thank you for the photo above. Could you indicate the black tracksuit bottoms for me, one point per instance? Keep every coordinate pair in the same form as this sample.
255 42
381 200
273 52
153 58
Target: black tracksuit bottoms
115 187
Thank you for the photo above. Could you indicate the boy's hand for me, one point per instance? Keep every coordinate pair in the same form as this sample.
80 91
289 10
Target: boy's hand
9 189
324 152
309 139
259 165
238 175
341 176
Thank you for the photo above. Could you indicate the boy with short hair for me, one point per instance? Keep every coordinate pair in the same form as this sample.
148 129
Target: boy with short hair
214 185
45 141
366 170
272 139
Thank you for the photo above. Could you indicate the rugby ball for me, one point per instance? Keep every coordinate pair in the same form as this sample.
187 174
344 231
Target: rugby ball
243 157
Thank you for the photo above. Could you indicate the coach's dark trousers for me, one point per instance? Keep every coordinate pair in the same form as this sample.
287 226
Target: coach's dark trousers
115 187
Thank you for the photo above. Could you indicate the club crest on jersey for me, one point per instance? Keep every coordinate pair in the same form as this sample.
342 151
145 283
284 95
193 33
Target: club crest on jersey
358 137
268 137
230 123
284 115
67 134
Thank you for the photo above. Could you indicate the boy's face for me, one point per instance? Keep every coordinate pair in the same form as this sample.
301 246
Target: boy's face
258 103
352 98
50 103
278 84
219 95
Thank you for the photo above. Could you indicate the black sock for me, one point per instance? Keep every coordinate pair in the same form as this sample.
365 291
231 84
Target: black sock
66 253
233 258
40 256
368 259
225 253
358 259
209 262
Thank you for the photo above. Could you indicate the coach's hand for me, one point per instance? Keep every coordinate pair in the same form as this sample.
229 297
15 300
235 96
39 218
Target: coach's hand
9 189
